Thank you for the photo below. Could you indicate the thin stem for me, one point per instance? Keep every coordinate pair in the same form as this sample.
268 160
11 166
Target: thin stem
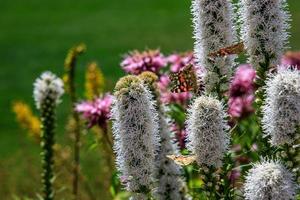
70 66
76 118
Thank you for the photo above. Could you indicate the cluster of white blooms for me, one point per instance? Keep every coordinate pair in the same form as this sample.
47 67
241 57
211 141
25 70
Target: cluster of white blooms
281 112
170 182
135 130
213 30
206 127
264 29
269 180
48 85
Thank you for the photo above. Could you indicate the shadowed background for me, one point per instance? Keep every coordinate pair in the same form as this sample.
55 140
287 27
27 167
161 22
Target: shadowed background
35 36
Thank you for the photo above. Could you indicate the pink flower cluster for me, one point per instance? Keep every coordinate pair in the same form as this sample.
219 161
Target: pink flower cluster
178 61
291 59
137 62
96 112
241 92
168 97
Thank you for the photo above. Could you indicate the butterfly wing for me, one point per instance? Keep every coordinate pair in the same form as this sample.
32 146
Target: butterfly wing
230 50
182 160
184 80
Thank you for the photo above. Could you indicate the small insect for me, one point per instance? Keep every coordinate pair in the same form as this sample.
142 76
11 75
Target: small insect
234 49
182 160
184 80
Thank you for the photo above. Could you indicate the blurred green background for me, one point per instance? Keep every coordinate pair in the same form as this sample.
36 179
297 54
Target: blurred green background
35 36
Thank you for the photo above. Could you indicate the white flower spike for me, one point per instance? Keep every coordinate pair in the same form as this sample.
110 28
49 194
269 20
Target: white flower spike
213 30
281 112
48 85
135 129
264 29
206 126
269 180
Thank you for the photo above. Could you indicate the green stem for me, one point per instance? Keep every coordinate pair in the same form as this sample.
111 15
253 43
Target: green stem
76 118
70 66
47 142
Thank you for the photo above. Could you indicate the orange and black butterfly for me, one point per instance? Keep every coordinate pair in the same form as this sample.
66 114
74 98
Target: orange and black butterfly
184 80
234 49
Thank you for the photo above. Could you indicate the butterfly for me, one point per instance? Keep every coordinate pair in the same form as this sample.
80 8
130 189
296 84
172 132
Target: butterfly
233 49
182 160
185 80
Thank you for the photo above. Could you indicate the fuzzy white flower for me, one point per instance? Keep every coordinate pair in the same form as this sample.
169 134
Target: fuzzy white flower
135 130
213 30
169 175
269 180
264 29
48 85
206 127
281 112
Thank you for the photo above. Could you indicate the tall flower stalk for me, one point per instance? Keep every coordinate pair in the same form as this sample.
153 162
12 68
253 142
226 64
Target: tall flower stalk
213 30
281 115
94 81
136 139
207 139
264 32
69 78
169 175
47 92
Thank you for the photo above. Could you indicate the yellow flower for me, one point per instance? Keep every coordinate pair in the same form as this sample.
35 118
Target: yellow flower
26 119
94 81
70 63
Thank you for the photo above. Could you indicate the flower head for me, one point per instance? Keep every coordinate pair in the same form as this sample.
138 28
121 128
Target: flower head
135 128
94 81
264 29
48 85
269 180
137 62
27 120
206 128
290 58
96 112
281 112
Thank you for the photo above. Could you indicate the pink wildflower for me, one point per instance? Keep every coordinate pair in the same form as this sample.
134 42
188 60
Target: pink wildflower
243 81
241 92
241 106
291 59
137 62
178 61
96 112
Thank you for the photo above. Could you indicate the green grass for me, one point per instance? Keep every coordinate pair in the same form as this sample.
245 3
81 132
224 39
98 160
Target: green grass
35 36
